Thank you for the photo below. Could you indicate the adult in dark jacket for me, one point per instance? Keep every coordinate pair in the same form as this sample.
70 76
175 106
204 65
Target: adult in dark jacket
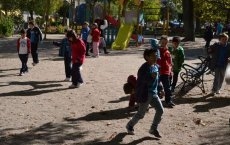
35 36
208 35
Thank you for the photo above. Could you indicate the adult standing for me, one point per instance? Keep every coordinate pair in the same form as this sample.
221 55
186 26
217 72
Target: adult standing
35 36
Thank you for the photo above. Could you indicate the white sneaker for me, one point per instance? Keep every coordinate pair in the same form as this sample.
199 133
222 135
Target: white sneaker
81 68
218 92
79 84
67 79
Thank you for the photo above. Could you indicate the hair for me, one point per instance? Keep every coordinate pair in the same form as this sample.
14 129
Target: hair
85 23
223 35
23 31
148 52
165 37
176 39
95 24
31 23
71 33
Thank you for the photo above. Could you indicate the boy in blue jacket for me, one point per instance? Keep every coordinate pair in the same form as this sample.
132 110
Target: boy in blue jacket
146 92
65 48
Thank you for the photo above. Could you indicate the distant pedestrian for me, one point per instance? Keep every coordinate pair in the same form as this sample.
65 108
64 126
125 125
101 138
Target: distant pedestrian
78 57
208 36
146 93
23 48
95 39
177 53
35 36
65 48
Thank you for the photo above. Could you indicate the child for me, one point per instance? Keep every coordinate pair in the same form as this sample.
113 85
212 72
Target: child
95 39
177 53
146 93
165 63
85 31
78 57
23 48
65 47
129 88
220 53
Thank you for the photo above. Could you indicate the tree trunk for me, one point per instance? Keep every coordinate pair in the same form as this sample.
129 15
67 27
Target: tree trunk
188 18
31 15
47 17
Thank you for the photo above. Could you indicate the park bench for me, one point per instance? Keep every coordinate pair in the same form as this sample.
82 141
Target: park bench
193 76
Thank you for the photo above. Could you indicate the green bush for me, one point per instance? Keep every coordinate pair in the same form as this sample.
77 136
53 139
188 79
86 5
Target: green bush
60 29
6 26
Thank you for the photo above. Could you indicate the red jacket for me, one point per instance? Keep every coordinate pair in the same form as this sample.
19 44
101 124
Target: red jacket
95 35
78 51
165 62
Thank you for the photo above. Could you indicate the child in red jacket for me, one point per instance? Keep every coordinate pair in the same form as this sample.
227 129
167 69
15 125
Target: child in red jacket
23 48
78 57
165 63
95 39
129 88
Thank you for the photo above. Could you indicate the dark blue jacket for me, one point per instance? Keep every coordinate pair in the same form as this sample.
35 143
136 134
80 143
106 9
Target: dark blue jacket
143 80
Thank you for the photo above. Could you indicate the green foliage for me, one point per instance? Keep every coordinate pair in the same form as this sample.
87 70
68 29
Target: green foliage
151 10
6 26
60 29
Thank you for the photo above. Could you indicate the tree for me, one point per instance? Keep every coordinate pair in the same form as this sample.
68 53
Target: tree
188 18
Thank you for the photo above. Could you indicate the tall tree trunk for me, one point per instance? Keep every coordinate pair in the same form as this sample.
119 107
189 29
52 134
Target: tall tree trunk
47 16
31 15
188 18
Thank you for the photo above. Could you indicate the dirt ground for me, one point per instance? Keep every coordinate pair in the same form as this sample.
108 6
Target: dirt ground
39 109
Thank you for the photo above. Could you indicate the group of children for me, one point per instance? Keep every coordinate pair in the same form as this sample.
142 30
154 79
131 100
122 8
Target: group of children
153 77
73 48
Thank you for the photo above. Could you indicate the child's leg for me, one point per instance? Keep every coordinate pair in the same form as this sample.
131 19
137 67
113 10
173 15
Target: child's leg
156 103
132 100
21 59
96 49
175 78
165 79
140 113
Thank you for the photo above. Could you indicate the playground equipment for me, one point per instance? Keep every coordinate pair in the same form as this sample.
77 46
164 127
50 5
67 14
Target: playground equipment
126 28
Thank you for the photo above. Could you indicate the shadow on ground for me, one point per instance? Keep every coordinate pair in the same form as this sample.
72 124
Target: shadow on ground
115 114
39 87
49 133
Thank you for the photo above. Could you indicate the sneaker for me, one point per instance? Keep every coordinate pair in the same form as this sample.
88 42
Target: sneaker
218 92
67 79
155 133
34 63
79 85
170 104
130 129
72 86
21 74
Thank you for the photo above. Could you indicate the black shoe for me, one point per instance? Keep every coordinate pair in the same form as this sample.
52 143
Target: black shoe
130 129
170 104
155 133
107 52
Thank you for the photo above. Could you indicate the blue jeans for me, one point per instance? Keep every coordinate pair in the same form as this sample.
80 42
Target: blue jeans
155 102
76 74
218 79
